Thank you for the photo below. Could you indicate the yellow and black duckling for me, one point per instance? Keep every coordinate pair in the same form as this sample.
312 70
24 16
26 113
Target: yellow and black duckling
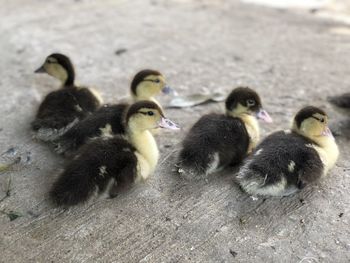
341 103
219 140
112 164
64 107
286 161
108 119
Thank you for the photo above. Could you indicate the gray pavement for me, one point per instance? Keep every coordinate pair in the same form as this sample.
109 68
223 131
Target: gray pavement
291 58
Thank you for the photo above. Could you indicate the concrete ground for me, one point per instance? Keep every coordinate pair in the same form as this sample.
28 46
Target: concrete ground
291 58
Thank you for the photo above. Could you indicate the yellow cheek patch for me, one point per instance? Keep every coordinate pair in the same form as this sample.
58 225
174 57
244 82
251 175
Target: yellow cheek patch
51 60
240 109
146 90
56 71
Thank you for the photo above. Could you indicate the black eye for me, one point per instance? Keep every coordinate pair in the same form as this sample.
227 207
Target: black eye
322 120
150 113
156 81
250 102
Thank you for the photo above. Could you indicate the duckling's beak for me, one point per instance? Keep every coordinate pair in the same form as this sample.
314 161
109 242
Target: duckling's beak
169 90
327 132
40 70
264 116
168 124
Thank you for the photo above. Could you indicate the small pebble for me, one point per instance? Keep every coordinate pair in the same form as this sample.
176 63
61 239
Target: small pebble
254 198
11 151
120 51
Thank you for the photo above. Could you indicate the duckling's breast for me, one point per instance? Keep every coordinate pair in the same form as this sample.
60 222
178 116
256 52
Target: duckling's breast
328 151
146 151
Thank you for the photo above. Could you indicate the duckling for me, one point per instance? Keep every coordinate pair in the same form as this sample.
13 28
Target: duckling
218 140
341 103
286 161
61 109
108 119
113 164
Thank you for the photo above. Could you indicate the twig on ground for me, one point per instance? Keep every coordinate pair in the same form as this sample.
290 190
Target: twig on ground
7 190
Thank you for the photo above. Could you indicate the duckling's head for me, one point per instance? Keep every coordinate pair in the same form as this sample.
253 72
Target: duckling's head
147 84
147 115
245 101
312 123
60 67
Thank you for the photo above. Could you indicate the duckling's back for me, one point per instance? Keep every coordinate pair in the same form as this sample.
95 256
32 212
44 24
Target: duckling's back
215 140
60 110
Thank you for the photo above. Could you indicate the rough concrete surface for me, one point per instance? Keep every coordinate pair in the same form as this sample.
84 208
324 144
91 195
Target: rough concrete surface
291 58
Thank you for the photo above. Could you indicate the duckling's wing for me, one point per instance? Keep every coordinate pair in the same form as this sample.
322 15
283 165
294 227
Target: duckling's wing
56 114
278 164
106 121
61 100
88 100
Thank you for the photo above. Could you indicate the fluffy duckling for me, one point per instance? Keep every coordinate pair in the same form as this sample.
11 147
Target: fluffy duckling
286 161
108 119
219 140
62 108
341 103
113 164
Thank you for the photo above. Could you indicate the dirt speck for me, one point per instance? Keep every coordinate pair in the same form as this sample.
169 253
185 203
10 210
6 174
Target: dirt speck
233 253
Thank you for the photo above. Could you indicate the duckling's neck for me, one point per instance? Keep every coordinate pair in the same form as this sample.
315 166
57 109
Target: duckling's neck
145 145
66 77
252 127
330 151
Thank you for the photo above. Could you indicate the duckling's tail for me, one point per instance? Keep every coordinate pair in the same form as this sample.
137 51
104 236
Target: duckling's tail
72 188
36 124
83 178
79 181
249 180
46 131
193 163
254 182
64 146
